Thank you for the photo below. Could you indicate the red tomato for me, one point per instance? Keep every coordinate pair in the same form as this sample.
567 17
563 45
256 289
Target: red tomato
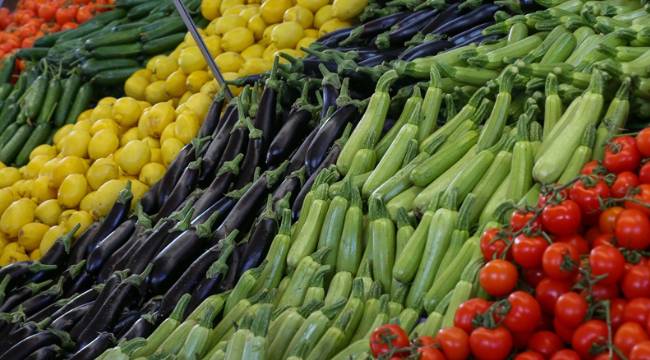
521 219
636 282
66 14
548 291
454 343
644 173
47 11
571 309
69 26
28 42
560 261
493 243
589 196
604 239
589 335
525 312
602 292
490 344
628 335
622 154
624 182
386 338
562 219
467 311
591 168
607 261
498 277
565 354
633 229
578 242
616 312
529 355
640 351
641 196
637 310
564 332
533 276
544 197
430 353
425 340
84 14
545 342
607 221
592 234
527 251
643 142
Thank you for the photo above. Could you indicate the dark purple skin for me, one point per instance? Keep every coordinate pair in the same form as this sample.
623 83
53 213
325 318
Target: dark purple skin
120 254
290 185
143 327
109 287
126 320
66 321
148 245
170 262
252 159
223 206
109 245
236 143
425 49
229 281
326 135
376 26
335 37
409 26
214 192
212 118
174 172
331 158
185 185
30 344
480 14
291 133
41 300
78 249
83 298
265 116
470 34
258 245
45 353
330 94
448 14
79 284
95 348
213 153
17 333
116 216
297 159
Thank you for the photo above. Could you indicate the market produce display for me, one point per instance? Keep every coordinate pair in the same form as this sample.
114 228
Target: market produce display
33 19
467 183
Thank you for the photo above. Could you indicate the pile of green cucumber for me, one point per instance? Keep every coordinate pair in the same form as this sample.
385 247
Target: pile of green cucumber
113 45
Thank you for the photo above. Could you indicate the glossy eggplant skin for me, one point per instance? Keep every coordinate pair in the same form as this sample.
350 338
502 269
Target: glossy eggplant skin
46 353
481 14
212 118
333 38
66 321
212 155
376 26
28 345
143 327
297 159
173 173
406 28
258 245
289 136
326 135
78 248
448 14
169 263
425 49
471 34
185 185
95 348
108 245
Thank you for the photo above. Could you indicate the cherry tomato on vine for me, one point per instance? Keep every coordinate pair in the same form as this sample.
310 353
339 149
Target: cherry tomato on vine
454 343
529 355
623 183
571 309
591 168
640 199
560 261
490 344
633 229
577 241
521 219
562 219
640 351
608 263
644 173
637 310
589 196
548 291
545 342
643 142
527 251
533 276
386 338
525 312
622 154
430 353
602 292
616 312
498 277
607 221
565 354
493 243
66 14
628 335
467 312
590 335
636 282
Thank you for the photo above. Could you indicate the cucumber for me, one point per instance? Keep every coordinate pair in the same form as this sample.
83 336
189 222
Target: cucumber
93 66
113 38
34 53
117 51
114 76
163 44
14 145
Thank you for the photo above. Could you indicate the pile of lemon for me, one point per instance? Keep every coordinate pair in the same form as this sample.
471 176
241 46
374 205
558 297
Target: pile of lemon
134 138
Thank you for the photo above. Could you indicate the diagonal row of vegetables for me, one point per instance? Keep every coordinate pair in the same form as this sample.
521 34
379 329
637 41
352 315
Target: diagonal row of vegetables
342 192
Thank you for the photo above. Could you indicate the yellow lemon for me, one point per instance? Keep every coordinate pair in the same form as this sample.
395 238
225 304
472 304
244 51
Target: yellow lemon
269 53
299 14
198 103
138 189
43 150
311 33
325 14
234 10
154 120
88 202
187 126
169 149
210 9
257 25
75 144
83 218
305 42
313 5
155 92
3 242
191 60
134 156
50 236
23 188
273 10
237 39
131 134
35 255
85 115
168 132
126 111
7 197
19 213
33 168
286 35
225 23
266 36
253 51
102 171
145 73
229 61
66 166
72 190
48 212
151 142
105 124
213 43
63 131
135 87
102 144
255 66
41 189
156 157
30 235
348 9
8 176
210 88
101 112
152 62
333 25
151 173
108 100
14 255
175 83
164 67
196 79
248 12
105 197
227 4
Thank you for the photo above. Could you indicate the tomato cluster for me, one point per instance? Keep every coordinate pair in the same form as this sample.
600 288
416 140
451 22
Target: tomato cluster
568 278
35 18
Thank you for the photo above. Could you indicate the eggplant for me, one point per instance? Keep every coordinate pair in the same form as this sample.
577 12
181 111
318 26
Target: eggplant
331 85
223 206
214 151
212 118
22 294
109 245
16 274
32 343
297 159
331 158
109 313
289 187
480 39
46 353
21 331
425 49
77 251
252 157
95 348
211 280
219 186
448 14
169 264
259 242
335 37
236 143
210 286
60 250
291 134
185 185
77 300
142 328
481 14
117 257
66 321
79 284
374 27
251 200
126 320
109 287
470 35
43 299
405 29
174 171
195 272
